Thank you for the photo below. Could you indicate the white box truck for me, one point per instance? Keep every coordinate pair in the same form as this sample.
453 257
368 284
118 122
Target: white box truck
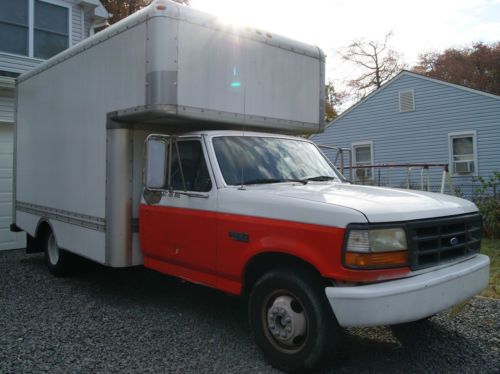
139 146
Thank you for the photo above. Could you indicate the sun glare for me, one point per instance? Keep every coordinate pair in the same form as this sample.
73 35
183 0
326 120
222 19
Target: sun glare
233 13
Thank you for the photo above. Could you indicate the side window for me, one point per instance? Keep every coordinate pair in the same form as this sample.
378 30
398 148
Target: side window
194 168
362 154
14 27
463 153
51 29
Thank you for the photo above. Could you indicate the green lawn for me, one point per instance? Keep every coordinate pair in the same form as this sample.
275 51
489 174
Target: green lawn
491 247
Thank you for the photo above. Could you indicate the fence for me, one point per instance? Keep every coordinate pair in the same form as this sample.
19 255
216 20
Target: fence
432 177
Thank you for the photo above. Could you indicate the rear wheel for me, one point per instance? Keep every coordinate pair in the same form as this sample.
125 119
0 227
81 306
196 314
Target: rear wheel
292 321
59 262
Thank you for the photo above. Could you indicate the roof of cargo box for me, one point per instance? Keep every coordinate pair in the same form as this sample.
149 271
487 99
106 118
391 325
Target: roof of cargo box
167 8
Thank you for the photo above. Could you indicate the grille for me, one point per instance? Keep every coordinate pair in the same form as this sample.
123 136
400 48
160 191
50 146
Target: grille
436 241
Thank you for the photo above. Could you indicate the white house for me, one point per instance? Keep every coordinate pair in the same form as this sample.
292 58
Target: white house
32 31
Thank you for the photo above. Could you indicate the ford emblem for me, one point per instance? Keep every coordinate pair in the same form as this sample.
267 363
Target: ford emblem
454 241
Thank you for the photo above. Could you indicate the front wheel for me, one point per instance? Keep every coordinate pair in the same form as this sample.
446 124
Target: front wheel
59 262
292 321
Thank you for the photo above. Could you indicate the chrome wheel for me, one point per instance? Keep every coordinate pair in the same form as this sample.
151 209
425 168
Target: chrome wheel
285 321
52 249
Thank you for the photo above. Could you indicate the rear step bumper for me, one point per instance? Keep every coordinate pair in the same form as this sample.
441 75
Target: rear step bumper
409 299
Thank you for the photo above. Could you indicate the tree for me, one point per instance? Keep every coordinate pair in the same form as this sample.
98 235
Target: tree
477 66
333 101
123 8
377 61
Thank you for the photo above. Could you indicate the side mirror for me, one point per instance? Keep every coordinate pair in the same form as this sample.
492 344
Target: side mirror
156 162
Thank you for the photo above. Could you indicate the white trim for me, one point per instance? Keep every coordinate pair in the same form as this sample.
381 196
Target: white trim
82 21
355 145
31 29
462 134
25 57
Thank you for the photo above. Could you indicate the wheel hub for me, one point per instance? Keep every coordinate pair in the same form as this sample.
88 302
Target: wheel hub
286 320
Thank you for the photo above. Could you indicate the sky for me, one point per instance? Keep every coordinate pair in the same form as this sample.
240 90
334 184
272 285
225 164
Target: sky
417 26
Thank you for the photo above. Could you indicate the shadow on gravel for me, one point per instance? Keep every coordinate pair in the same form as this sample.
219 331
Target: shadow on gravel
144 288
165 309
420 347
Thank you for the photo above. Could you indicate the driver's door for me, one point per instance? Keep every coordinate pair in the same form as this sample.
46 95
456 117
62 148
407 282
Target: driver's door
178 233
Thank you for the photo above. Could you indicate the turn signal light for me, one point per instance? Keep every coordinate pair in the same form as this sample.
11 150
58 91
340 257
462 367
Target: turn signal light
381 259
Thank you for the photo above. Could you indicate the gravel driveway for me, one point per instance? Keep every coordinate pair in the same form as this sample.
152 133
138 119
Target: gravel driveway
136 320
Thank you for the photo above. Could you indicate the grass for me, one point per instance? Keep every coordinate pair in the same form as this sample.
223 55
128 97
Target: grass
491 247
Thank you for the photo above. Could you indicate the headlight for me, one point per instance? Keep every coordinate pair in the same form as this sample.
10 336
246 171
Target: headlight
378 240
376 248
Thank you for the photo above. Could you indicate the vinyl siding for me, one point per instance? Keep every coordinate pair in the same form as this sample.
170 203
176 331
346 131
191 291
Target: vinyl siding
421 136
6 110
77 15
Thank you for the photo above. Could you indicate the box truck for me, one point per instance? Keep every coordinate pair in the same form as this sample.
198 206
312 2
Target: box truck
164 141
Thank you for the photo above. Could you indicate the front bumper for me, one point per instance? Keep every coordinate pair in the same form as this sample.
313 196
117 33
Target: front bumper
409 299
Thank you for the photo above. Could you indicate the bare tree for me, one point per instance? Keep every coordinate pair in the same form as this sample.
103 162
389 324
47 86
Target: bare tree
377 61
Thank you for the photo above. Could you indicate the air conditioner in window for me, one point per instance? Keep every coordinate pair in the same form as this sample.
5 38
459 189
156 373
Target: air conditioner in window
464 167
363 174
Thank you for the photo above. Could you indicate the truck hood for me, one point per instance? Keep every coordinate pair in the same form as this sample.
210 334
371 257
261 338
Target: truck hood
378 204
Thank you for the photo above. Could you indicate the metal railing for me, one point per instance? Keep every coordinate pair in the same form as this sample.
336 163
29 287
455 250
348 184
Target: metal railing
386 174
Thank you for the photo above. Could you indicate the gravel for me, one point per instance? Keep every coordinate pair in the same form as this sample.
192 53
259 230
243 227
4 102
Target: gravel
136 320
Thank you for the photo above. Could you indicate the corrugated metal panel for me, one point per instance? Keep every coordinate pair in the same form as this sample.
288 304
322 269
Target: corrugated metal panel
421 135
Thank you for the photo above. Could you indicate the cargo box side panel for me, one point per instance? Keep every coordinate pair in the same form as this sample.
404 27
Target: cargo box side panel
61 129
227 72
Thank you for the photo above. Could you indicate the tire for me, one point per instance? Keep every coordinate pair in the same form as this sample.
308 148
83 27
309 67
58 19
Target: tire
59 262
292 321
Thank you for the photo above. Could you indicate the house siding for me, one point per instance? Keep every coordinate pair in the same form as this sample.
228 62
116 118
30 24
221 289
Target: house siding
421 136
6 110
77 21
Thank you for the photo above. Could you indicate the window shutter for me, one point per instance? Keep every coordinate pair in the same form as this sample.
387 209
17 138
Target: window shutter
407 101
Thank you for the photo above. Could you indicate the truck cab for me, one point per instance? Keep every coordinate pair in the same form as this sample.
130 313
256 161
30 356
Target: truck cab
269 215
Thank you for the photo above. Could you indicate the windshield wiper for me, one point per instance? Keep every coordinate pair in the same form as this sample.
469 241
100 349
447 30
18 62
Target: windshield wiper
319 178
273 180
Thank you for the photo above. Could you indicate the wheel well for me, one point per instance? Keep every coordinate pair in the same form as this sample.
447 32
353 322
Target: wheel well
36 243
42 230
263 263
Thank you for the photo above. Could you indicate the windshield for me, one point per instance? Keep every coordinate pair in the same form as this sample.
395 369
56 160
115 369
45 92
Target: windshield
254 160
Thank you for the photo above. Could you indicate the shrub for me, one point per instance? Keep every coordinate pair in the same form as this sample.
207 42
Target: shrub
488 201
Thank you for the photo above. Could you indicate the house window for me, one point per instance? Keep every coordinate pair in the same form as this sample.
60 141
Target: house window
362 154
34 28
14 26
463 154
